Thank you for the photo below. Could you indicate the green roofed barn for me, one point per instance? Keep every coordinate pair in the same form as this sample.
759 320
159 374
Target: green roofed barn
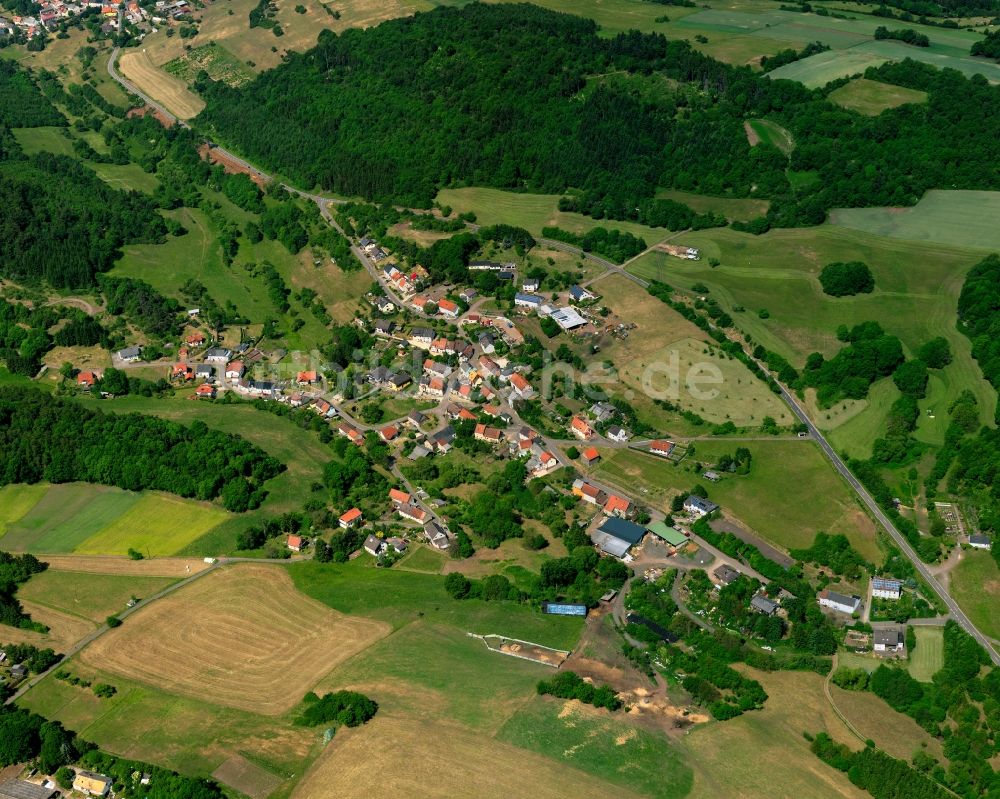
671 535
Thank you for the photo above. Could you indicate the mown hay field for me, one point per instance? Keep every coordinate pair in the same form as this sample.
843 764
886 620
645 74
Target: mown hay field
241 637
392 757
169 91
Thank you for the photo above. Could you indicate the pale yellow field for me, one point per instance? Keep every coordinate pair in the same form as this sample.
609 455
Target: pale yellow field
65 629
166 89
157 524
241 637
394 757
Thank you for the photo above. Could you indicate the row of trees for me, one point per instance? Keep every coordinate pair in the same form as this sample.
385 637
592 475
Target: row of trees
14 570
58 440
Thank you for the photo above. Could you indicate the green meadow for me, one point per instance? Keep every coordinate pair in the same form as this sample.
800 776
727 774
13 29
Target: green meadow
916 291
772 133
88 595
927 658
975 585
872 97
601 744
823 502
101 520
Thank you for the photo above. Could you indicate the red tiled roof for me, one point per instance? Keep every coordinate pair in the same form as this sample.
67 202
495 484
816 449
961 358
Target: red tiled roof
351 515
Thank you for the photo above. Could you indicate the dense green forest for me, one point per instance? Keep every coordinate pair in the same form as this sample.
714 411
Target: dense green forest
22 104
468 108
58 440
62 224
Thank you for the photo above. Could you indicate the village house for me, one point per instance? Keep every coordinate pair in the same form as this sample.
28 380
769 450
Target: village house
399 381
398 497
307 378
432 387
619 434
388 433
91 783
295 543
468 295
433 367
373 546
580 294
724 575
129 354
763 604
486 343
351 432
88 379
590 456
661 448
412 512
196 339
589 493
712 477
489 366
581 429
204 372
542 464
698 506
205 391
218 355
235 370
889 641
421 336
979 541
521 386
886 589
384 327
416 418
437 537
490 435
530 285
532 301
448 307
443 439
839 602
351 518
618 506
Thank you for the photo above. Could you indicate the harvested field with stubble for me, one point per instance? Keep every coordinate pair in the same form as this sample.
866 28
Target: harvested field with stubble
231 638
439 761
166 89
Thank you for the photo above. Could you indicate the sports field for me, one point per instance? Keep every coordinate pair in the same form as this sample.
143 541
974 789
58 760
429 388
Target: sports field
93 519
822 503
975 585
229 636
171 92
928 656
872 97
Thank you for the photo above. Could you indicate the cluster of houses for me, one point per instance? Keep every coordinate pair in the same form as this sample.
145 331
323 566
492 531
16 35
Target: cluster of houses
567 316
407 509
